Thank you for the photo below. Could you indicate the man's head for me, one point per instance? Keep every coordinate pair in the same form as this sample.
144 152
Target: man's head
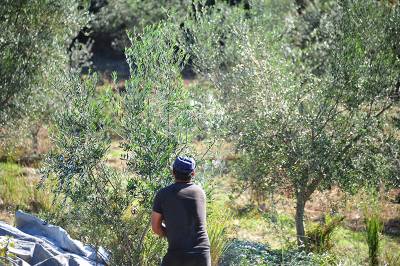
183 168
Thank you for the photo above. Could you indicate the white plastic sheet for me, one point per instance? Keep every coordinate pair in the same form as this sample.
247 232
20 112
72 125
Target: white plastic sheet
40 244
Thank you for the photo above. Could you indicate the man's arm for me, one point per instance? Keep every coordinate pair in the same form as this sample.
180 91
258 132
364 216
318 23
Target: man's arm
156 224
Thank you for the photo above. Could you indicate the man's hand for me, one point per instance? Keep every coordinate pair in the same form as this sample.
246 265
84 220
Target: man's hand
156 224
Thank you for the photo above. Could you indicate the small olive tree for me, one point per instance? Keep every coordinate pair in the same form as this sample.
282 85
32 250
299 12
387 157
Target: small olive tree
305 125
112 207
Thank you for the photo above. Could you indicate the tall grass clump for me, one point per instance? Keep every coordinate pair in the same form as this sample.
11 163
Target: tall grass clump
373 226
218 224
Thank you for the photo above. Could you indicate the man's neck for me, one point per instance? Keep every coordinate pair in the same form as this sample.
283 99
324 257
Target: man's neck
183 181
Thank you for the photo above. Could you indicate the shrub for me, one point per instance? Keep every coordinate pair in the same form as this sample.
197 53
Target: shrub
246 253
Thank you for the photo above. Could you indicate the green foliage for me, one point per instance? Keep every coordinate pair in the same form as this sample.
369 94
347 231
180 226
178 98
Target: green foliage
320 235
114 18
33 43
209 114
391 258
373 225
5 244
157 120
246 253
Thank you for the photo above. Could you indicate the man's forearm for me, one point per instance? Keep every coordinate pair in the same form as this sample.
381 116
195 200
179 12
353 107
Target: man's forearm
161 231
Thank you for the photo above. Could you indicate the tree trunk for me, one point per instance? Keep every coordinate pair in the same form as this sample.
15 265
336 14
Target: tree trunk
300 232
35 139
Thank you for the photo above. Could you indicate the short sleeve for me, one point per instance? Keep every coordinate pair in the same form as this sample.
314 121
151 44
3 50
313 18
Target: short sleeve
157 203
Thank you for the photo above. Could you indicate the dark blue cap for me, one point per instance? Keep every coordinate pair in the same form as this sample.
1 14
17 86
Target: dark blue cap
184 164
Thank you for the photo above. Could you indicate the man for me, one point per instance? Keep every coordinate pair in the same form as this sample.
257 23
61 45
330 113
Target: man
179 213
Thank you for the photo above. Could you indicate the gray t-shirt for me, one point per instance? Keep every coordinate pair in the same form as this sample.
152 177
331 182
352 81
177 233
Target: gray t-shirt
183 206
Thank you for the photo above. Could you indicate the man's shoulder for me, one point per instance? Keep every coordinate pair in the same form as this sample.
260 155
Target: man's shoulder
166 189
198 187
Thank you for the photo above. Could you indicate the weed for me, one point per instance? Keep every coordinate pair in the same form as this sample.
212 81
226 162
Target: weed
373 224
5 244
320 235
391 258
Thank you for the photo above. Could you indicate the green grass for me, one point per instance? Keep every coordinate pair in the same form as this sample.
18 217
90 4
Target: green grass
19 192
277 231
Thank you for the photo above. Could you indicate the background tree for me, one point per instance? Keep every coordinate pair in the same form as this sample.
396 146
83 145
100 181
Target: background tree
309 126
34 45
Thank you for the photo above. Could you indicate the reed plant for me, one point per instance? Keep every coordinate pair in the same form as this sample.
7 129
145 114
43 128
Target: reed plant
373 226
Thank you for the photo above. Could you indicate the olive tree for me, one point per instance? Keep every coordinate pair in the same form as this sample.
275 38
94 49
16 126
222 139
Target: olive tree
292 125
112 207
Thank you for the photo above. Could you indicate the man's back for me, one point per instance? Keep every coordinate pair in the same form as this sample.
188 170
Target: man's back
182 206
